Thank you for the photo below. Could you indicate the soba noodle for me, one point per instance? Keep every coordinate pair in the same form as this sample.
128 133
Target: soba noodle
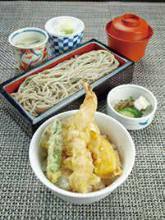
41 91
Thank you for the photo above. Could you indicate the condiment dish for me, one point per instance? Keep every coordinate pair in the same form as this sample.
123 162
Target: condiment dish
125 91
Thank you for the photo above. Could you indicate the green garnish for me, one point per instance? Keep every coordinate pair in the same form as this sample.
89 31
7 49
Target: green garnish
68 31
67 28
131 112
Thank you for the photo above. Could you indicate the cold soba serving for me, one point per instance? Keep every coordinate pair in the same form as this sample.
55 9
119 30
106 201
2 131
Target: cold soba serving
41 91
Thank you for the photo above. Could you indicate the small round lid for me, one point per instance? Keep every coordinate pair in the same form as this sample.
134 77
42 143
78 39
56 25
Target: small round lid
128 27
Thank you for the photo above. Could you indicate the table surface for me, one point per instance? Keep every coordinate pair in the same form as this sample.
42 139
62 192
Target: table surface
22 196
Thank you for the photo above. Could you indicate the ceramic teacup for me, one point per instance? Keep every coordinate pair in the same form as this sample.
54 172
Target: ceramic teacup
29 45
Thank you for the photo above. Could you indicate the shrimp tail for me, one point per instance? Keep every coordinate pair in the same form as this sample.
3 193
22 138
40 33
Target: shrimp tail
85 116
89 106
90 100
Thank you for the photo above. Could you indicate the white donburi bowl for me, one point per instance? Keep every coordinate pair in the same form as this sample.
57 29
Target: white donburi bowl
117 134
124 92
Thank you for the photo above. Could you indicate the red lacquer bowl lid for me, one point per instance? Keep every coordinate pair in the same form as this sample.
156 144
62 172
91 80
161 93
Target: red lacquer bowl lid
129 27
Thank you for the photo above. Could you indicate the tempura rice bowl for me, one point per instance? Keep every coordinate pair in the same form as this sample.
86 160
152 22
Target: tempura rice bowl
118 136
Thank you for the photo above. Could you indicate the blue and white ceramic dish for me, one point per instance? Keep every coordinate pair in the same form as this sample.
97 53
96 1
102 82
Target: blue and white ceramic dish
123 92
65 33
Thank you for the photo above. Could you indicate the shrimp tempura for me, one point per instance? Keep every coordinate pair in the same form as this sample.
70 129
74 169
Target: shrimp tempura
76 135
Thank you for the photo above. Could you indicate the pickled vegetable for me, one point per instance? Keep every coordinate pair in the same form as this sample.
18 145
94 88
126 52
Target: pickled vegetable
131 112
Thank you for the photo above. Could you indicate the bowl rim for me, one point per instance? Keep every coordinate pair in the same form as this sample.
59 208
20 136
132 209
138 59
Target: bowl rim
26 29
133 86
63 36
119 181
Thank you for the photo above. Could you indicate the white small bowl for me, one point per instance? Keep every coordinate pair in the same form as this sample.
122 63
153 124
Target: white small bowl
124 92
117 134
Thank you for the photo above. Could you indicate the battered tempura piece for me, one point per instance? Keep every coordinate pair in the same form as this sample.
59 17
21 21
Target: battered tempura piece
106 159
76 133
51 142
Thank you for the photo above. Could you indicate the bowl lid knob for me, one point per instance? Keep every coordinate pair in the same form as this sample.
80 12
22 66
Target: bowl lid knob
130 20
